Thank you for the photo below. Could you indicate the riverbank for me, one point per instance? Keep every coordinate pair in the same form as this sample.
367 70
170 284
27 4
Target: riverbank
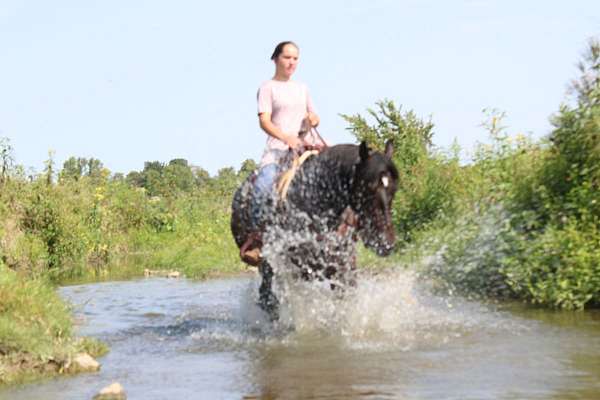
89 229
36 331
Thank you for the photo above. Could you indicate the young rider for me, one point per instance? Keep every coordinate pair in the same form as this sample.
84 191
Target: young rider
285 109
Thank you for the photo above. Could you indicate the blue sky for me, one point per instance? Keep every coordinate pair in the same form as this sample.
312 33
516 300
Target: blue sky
128 82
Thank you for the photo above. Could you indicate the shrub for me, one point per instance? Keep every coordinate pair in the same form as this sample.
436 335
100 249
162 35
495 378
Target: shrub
560 267
427 182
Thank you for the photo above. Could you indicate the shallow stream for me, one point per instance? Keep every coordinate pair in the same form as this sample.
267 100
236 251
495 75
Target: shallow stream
389 339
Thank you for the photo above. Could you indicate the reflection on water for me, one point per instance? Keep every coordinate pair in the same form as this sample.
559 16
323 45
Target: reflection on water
389 338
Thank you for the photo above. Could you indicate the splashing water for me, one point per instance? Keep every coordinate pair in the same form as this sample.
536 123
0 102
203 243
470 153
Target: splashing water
384 310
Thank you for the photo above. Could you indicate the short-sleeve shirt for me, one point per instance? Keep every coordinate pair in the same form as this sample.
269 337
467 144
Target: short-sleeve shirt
288 102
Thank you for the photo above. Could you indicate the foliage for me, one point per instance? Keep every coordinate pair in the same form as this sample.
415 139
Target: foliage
558 208
522 219
472 247
169 180
75 168
47 214
428 180
85 222
33 319
35 330
560 267
545 244
6 159
410 135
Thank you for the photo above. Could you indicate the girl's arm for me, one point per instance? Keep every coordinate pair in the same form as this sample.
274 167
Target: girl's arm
270 129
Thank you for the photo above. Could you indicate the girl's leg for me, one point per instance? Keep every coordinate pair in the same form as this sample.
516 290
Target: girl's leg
263 193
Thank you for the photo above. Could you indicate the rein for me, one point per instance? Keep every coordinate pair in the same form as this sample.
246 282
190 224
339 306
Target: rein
314 128
286 178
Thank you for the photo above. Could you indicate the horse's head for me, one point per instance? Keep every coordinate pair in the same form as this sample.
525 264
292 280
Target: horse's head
374 186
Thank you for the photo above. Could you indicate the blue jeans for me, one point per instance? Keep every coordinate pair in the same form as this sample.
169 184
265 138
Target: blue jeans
264 190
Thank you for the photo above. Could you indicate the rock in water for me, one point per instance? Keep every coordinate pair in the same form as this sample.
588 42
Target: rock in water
83 362
112 392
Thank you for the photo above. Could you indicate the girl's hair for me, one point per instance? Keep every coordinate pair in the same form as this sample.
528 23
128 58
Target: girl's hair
279 48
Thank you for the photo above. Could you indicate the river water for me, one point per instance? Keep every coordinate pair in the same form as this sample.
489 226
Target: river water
388 339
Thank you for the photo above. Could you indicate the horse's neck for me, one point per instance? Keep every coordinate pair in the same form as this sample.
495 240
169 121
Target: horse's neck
324 186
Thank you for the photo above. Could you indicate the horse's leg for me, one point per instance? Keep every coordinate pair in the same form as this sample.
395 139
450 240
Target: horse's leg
267 300
351 273
345 261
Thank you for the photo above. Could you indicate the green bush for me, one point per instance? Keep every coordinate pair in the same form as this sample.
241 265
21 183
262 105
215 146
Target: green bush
48 213
560 267
544 246
428 182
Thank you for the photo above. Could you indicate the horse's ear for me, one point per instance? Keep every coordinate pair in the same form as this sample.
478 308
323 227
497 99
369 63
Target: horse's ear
389 149
363 150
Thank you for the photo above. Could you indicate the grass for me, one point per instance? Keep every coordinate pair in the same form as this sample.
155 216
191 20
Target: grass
35 330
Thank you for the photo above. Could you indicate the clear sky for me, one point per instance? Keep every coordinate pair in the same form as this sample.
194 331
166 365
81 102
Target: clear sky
134 81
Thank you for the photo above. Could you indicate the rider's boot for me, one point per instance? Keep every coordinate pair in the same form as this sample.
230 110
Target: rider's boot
250 250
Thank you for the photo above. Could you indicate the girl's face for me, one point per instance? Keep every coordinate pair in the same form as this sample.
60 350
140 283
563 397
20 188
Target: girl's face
286 61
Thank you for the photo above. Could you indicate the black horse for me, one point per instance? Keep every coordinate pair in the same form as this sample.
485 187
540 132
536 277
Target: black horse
341 195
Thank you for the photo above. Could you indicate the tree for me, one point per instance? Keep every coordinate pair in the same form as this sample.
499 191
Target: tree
226 180
94 168
135 178
248 166
226 174
410 135
425 189
153 166
49 168
154 184
73 168
179 161
178 175
201 176
571 174
6 159
118 177
151 177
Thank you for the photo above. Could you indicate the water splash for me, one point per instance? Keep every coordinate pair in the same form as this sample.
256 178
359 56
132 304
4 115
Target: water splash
471 254
389 310
396 308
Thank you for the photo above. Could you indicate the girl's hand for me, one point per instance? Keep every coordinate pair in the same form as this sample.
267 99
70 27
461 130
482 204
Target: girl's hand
294 142
313 119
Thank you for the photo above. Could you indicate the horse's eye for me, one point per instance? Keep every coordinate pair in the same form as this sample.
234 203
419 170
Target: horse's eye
385 181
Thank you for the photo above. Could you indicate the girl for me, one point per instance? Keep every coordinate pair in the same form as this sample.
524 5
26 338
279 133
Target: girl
285 110
286 114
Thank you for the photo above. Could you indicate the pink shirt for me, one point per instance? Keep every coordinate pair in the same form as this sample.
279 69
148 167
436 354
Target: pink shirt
288 102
